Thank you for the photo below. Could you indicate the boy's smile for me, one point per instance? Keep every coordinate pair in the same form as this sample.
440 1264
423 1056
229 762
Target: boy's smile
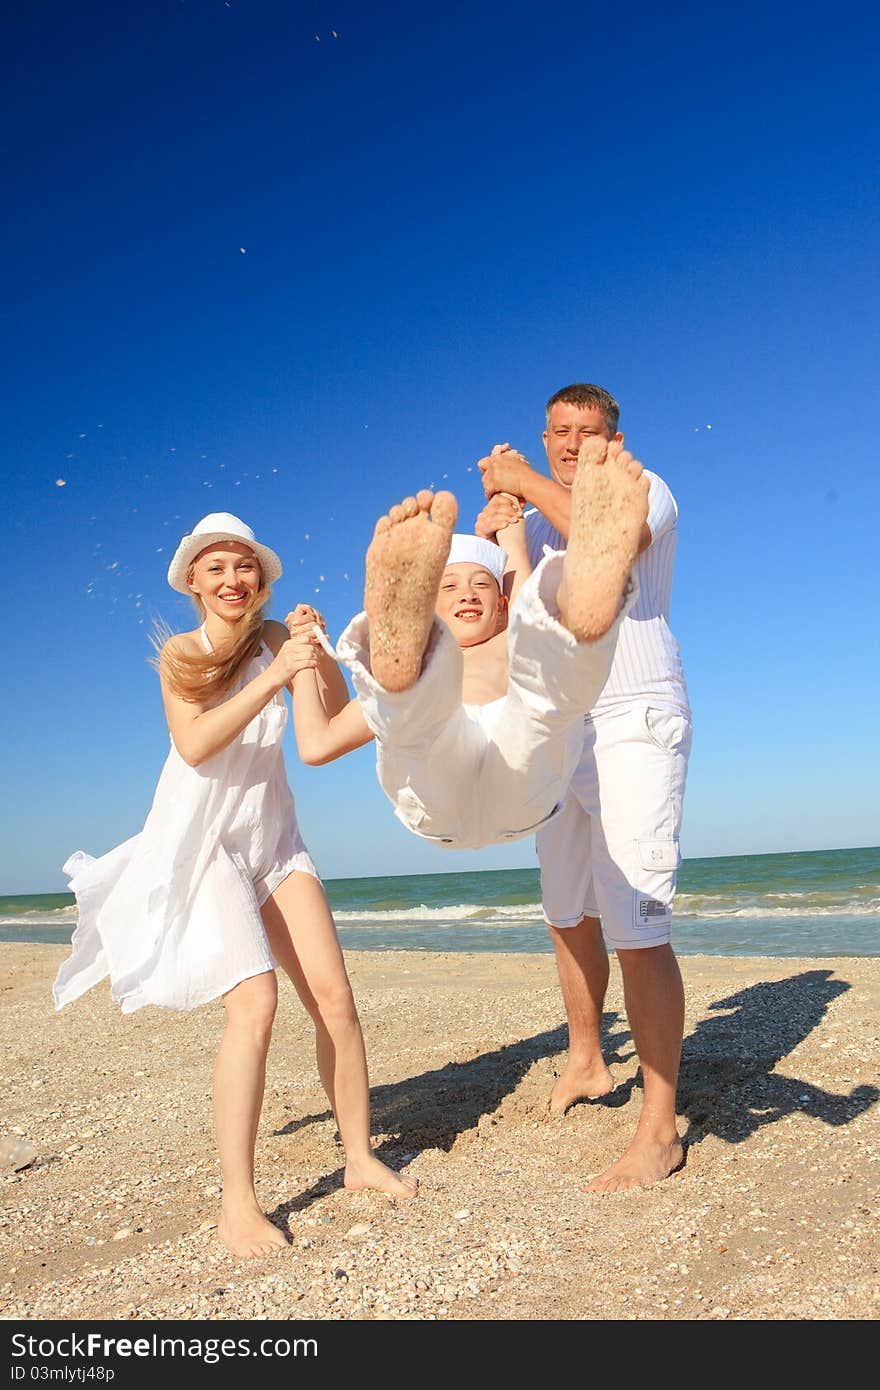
470 603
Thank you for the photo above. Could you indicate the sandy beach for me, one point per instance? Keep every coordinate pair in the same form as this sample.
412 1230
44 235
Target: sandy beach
774 1215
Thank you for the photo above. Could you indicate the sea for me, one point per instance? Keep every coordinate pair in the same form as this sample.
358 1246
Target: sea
811 903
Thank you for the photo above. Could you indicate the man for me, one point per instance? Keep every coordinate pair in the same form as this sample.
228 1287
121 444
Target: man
609 860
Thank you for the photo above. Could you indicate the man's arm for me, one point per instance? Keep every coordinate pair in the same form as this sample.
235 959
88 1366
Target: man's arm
508 471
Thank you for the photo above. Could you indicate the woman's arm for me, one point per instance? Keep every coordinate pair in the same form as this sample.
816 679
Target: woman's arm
320 735
198 733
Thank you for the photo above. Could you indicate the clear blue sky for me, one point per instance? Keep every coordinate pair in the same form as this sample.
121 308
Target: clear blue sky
251 266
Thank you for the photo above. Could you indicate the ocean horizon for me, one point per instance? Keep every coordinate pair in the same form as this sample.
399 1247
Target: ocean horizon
800 903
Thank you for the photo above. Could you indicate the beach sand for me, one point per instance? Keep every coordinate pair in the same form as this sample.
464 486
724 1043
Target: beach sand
774 1215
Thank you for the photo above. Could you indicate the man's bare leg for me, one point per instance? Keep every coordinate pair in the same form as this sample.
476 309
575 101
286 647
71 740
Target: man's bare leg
609 507
582 963
654 997
405 561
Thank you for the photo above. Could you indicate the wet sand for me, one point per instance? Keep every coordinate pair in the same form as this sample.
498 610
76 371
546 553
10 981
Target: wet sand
774 1215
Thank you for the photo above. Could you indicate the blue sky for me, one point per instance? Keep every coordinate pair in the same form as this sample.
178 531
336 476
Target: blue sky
253 266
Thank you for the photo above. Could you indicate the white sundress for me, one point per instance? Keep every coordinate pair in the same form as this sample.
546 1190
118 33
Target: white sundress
173 914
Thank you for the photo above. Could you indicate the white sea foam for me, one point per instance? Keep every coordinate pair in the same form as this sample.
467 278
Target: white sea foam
455 912
54 917
851 907
711 907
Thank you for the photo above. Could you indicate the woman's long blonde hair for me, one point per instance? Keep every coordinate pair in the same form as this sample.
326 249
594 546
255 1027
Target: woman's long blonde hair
206 676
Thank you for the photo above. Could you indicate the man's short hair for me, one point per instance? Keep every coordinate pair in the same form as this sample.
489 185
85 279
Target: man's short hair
583 394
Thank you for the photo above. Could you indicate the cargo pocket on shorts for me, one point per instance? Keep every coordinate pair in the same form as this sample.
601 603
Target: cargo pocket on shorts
656 865
668 729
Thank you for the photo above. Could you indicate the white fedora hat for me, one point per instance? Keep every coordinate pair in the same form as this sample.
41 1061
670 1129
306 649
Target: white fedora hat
219 526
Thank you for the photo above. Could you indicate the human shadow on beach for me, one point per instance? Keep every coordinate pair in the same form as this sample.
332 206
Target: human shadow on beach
431 1110
727 1083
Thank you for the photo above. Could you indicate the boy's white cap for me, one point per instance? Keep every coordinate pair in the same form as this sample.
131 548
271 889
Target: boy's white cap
476 551
219 526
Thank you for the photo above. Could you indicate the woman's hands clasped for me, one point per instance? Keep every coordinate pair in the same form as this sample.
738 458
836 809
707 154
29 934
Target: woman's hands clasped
301 650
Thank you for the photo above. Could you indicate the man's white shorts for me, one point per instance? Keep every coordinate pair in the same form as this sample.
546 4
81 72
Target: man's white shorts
612 852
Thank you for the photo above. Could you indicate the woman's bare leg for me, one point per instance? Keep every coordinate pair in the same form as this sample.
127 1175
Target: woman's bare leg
239 1082
303 938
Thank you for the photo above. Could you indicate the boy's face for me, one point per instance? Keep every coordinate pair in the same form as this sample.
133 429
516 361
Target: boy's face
567 427
470 603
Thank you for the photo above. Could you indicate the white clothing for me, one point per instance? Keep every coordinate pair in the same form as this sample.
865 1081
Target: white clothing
173 914
647 662
466 776
613 851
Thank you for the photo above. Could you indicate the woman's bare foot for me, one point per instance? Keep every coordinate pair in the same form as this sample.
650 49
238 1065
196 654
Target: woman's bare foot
609 507
405 561
579 1083
247 1233
373 1173
646 1161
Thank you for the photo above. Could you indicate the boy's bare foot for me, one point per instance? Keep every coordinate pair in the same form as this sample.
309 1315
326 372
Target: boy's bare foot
579 1083
405 561
247 1233
646 1161
609 507
372 1172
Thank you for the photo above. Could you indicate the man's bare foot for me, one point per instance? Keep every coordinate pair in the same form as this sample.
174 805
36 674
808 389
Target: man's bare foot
609 507
373 1173
405 561
247 1233
646 1161
579 1083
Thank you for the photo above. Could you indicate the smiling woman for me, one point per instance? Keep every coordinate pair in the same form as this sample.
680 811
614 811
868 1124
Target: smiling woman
228 574
218 888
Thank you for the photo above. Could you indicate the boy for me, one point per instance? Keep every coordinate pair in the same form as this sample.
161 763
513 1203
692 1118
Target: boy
473 750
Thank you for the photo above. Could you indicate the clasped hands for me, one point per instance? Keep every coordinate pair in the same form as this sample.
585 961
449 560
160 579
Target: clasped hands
503 472
301 650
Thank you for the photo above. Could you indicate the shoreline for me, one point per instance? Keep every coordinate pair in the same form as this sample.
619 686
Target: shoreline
772 1217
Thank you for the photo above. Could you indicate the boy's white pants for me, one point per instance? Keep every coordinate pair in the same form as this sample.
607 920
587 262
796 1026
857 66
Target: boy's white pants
467 776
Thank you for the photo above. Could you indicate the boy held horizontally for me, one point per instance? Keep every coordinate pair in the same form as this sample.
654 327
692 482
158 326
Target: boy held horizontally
478 731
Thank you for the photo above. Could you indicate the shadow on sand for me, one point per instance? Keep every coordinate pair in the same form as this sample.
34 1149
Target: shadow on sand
727 1083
